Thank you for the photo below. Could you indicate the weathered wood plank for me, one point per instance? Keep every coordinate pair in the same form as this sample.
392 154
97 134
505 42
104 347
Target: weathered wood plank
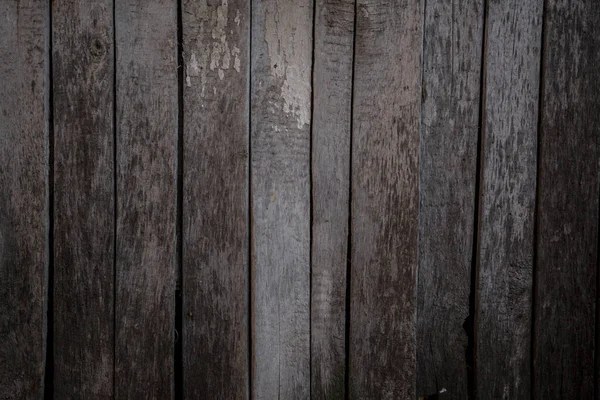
23 197
83 62
450 113
566 267
506 227
332 93
146 73
215 199
280 196
387 103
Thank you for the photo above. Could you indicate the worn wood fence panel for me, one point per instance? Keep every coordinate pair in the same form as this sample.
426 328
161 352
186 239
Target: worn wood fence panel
385 146
215 199
83 65
331 132
146 156
23 197
280 196
299 199
567 253
507 203
452 47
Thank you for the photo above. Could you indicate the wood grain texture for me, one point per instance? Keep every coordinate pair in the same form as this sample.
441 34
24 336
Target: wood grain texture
215 199
83 62
280 196
23 197
506 226
332 95
453 35
146 76
567 242
386 114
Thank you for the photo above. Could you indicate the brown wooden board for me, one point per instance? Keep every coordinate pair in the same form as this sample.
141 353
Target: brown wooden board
24 186
567 239
215 199
452 48
280 197
146 83
331 131
507 205
386 120
82 63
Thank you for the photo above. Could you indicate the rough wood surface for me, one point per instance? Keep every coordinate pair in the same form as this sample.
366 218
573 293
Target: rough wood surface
387 103
82 59
146 77
23 197
506 241
215 199
332 82
566 267
280 197
452 47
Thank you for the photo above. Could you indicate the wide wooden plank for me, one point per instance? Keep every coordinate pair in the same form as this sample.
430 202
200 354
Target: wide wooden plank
23 197
385 147
567 242
280 197
508 190
146 74
332 95
83 62
452 48
215 199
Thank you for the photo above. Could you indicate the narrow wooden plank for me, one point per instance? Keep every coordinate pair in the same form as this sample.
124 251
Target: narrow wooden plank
332 95
567 242
280 196
450 114
23 197
215 199
146 74
83 62
506 227
386 114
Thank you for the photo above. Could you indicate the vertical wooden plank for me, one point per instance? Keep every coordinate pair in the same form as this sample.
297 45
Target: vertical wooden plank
450 114
332 95
146 75
386 114
506 227
567 218
23 197
280 142
83 62
215 199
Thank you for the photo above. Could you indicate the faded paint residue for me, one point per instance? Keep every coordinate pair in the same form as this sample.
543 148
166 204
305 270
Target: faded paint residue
236 62
213 53
290 56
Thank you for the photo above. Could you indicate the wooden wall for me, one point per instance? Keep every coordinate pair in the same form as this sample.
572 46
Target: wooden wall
293 199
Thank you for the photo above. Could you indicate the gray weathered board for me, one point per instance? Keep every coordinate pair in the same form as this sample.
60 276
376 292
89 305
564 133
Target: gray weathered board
507 203
384 211
353 199
280 197
566 299
146 200
215 199
331 132
24 129
83 318
452 47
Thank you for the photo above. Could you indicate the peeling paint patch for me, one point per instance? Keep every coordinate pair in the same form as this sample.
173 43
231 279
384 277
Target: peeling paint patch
236 62
288 53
